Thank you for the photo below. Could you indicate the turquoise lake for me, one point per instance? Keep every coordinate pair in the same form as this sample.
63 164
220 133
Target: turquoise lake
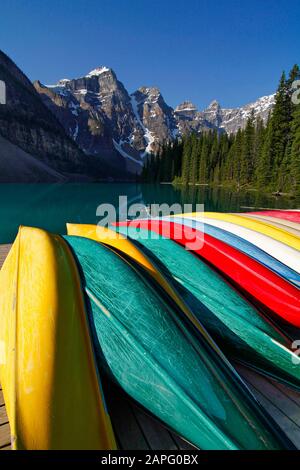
51 206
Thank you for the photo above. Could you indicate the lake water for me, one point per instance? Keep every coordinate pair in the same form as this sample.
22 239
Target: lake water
50 206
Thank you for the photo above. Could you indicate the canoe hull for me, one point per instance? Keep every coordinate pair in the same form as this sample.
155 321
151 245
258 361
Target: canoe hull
159 360
48 373
264 228
293 216
287 225
234 323
265 287
280 251
242 245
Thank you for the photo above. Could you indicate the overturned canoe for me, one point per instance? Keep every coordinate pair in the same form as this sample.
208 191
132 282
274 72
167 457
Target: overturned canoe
120 243
47 369
292 215
284 224
269 291
238 328
162 362
243 245
264 228
283 253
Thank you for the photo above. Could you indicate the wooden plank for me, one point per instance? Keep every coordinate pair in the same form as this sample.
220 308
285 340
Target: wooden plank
182 444
292 394
134 428
290 429
1 398
4 425
4 435
279 397
127 430
3 415
157 436
4 250
280 407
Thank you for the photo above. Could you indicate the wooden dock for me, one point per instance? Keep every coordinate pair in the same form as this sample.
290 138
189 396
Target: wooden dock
136 430
4 425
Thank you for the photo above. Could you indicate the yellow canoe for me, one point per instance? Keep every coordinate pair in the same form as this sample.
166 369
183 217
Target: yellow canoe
291 227
258 226
124 246
47 370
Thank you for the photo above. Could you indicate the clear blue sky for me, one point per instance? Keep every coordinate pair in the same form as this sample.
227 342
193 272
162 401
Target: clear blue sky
231 50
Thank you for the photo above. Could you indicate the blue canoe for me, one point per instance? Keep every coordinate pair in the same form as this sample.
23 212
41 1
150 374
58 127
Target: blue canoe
237 327
242 245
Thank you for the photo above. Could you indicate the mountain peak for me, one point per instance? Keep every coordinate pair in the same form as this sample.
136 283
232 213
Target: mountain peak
214 104
148 95
103 119
98 71
149 90
63 81
185 106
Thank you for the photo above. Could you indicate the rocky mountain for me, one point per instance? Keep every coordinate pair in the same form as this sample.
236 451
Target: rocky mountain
91 127
214 117
233 119
104 120
33 144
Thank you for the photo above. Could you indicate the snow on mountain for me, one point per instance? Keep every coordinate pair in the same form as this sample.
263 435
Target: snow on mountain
185 107
233 119
34 145
104 119
98 71
147 134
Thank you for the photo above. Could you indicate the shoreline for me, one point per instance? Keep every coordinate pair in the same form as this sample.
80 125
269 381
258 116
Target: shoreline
276 194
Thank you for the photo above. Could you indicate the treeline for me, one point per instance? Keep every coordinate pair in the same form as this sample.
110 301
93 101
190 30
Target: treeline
264 156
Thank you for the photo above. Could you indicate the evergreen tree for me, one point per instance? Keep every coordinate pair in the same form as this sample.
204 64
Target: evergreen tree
236 156
285 176
260 134
193 171
186 159
216 177
247 154
214 154
277 135
262 156
203 160
295 151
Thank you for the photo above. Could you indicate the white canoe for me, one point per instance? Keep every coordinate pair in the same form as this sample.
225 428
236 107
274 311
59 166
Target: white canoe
278 250
291 227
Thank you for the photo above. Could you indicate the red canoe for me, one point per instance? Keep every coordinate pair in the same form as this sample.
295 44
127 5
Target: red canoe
262 285
293 216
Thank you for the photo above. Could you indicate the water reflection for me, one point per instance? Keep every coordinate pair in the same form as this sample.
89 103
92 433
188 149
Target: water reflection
50 206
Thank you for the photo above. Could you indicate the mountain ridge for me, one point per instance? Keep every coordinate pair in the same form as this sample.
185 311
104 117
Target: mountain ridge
92 128
32 135
101 116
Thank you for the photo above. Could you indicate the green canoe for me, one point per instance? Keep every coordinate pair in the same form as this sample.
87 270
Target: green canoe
162 362
237 327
